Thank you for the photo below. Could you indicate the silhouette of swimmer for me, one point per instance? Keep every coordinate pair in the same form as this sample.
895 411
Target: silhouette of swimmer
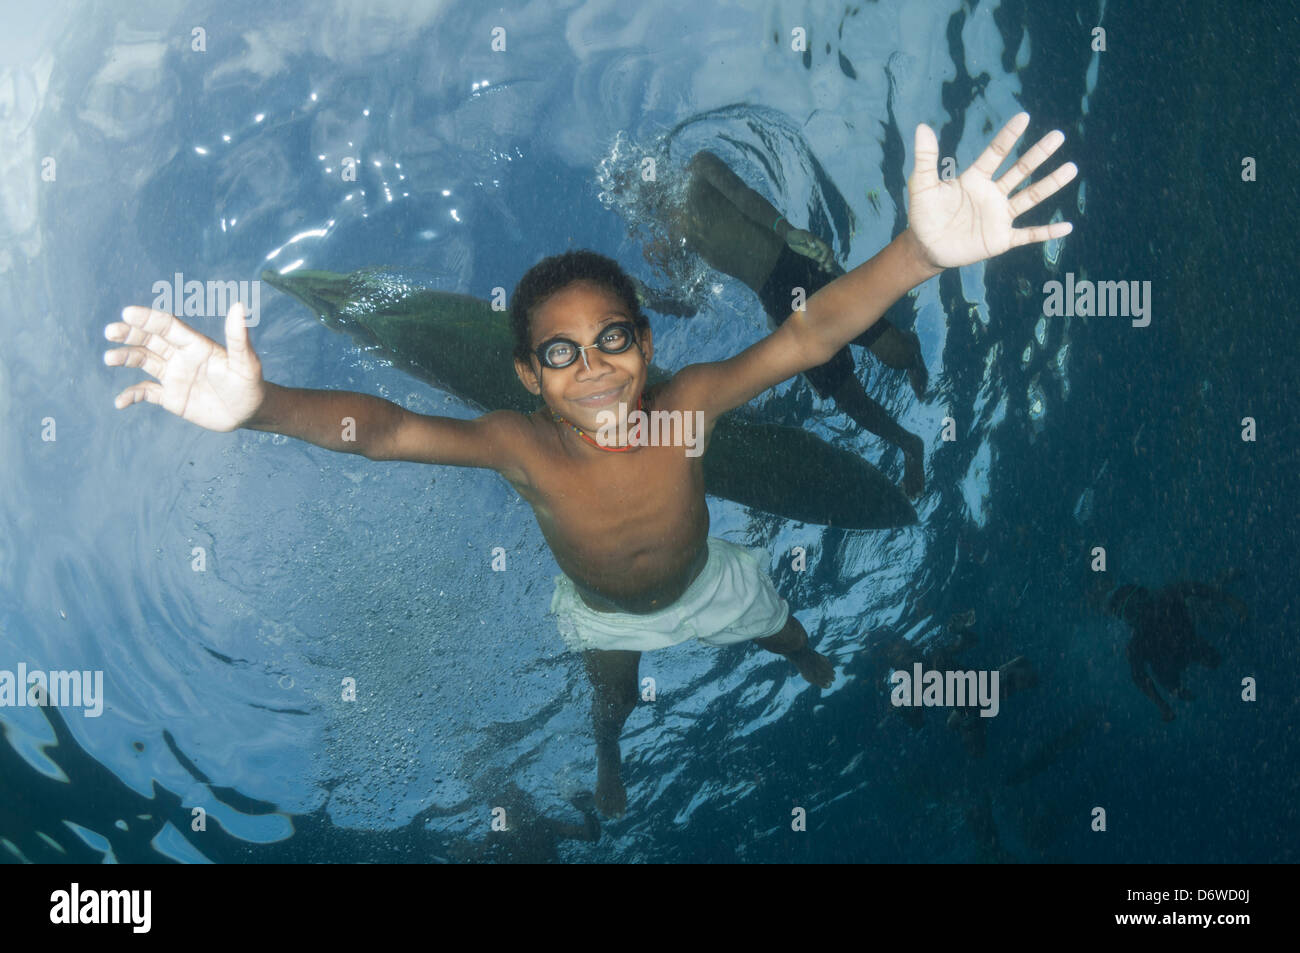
529 836
896 652
1164 641
737 231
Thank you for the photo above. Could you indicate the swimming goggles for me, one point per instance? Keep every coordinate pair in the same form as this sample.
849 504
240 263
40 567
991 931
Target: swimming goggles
559 353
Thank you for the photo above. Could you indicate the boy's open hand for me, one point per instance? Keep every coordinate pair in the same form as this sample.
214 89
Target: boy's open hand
197 379
965 220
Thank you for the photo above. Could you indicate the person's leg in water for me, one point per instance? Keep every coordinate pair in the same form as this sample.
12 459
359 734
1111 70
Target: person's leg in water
900 350
792 642
613 677
835 380
832 381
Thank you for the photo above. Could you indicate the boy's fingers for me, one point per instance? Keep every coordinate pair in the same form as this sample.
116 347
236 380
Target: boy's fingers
141 357
1001 145
145 390
1026 199
925 147
128 335
167 326
1040 233
237 346
1040 152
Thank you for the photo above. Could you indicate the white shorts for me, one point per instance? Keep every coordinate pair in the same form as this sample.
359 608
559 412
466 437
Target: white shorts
731 600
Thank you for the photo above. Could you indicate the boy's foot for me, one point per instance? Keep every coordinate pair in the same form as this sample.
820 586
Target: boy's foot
611 796
913 466
919 378
816 669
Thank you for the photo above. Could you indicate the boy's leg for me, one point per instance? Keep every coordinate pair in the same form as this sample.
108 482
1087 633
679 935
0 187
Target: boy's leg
792 642
613 676
851 398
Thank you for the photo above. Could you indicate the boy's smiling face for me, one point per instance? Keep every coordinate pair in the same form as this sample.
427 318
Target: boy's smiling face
582 391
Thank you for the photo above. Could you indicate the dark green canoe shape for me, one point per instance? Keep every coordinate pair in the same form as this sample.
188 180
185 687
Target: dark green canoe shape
459 344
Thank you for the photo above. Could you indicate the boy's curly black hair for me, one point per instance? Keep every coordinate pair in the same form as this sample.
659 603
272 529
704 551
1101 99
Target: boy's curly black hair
559 271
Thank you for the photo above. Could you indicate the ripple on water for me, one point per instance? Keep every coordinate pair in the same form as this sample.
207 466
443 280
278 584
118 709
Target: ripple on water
1052 247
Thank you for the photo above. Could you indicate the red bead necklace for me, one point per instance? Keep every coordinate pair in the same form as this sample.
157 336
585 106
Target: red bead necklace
587 437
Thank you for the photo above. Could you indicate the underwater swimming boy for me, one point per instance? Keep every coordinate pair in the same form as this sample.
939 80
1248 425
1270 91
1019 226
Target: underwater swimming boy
628 525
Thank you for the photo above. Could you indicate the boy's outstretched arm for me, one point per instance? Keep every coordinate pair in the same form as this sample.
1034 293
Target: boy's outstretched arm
223 389
950 223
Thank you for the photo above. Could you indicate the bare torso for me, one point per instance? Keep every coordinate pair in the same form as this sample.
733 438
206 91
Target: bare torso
629 528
